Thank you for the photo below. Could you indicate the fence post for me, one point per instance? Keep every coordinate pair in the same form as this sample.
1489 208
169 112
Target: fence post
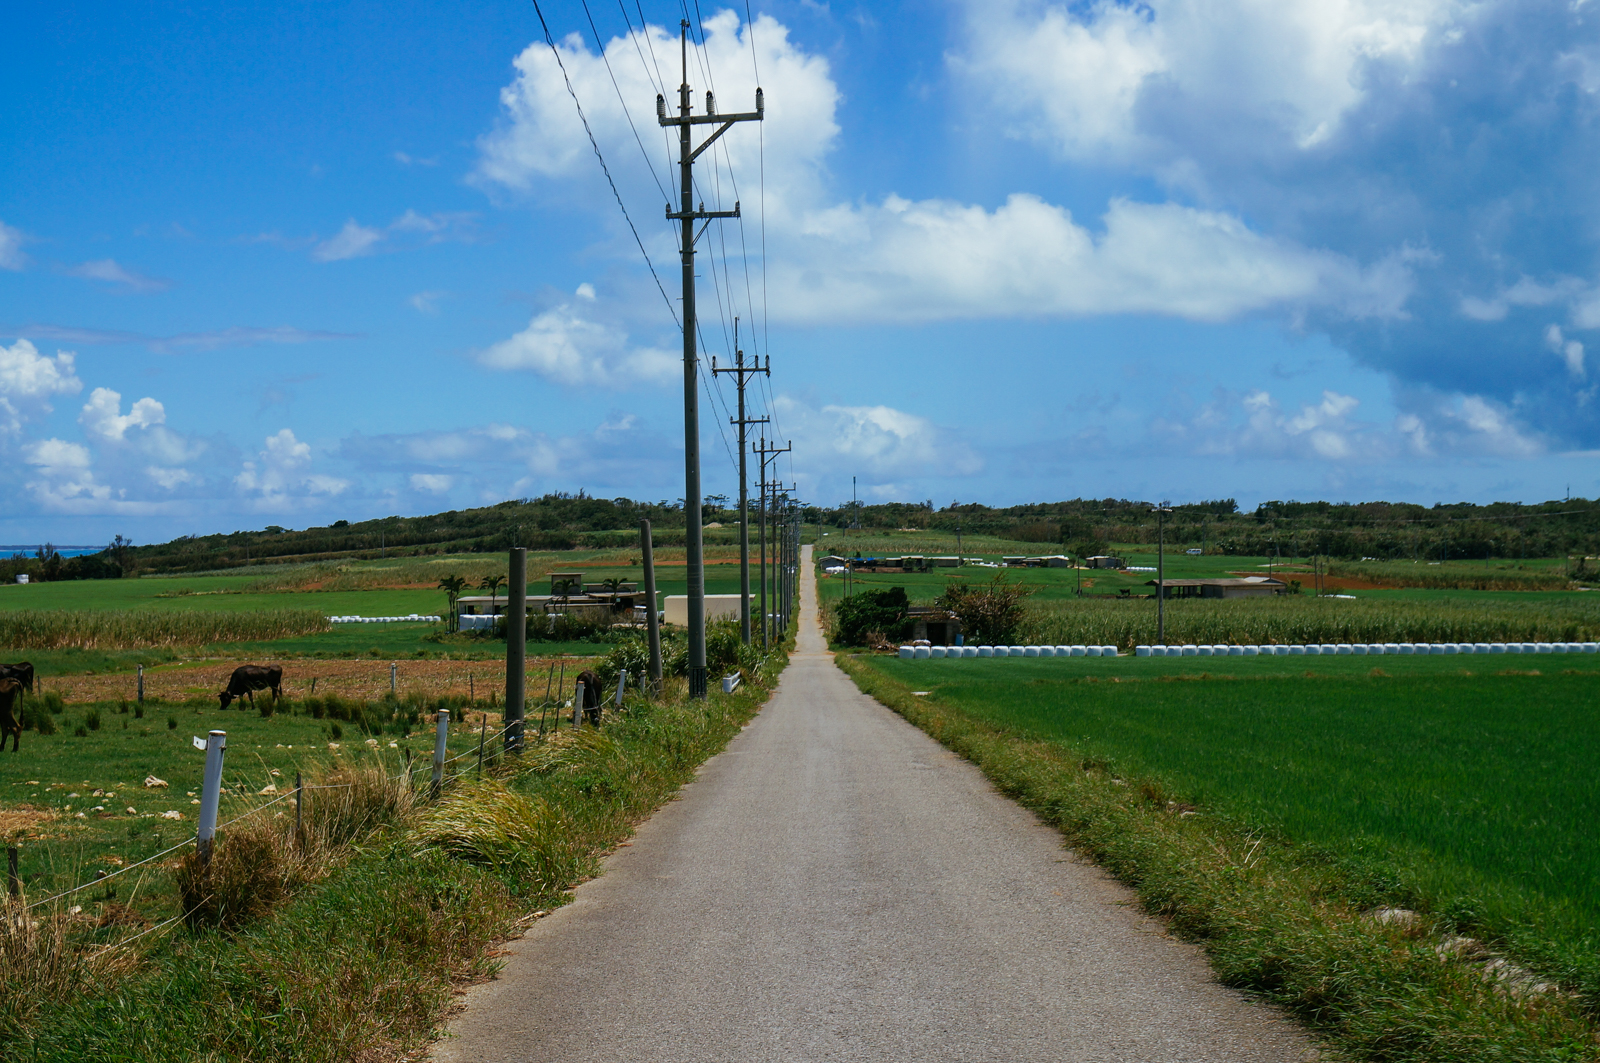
13 880
313 684
652 619
299 821
439 750
577 705
141 684
516 648
483 737
622 684
210 793
392 686
472 693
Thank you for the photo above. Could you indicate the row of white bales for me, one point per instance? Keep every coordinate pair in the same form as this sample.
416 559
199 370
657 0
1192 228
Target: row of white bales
1358 649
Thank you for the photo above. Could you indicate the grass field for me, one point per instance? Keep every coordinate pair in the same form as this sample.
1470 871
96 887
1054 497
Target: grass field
1058 615
1467 788
366 588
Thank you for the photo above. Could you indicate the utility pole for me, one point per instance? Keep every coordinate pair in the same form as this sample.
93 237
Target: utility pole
1161 512
766 454
686 216
741 373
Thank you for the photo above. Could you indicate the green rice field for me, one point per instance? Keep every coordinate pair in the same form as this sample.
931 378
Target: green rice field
1465 786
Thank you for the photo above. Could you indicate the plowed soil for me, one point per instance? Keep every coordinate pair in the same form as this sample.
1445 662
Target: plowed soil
366 679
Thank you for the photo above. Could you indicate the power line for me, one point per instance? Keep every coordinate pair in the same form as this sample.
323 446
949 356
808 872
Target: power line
551 41
601 48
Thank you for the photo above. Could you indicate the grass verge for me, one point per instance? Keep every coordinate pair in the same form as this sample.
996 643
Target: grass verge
1305 930
360 963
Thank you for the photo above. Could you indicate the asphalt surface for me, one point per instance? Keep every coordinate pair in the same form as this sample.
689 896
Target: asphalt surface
838 886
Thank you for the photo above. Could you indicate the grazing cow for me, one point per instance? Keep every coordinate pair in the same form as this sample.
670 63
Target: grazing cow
22 672
249 678
10 716
591 696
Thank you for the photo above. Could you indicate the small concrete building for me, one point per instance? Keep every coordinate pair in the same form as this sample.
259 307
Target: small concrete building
937 626
718 607
1246 587
1106 561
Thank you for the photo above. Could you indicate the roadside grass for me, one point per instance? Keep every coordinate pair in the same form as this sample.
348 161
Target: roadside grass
360 963
1277 820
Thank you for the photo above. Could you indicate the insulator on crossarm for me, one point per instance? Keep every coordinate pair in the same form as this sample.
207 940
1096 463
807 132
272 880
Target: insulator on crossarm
761 101
661 106
711 104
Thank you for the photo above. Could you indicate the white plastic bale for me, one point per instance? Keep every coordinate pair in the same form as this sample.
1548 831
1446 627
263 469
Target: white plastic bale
1091 651
985 651
1047 651
1063 651
1141 651
1080 651
1019 651
907 652
1249 651
936 652
1108 651
923 653
1030 651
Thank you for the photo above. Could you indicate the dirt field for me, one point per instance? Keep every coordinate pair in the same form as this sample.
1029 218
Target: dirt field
347 678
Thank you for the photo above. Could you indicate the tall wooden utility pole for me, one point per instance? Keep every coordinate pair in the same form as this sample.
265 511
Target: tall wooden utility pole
686 217
766 455
741 373
1161 512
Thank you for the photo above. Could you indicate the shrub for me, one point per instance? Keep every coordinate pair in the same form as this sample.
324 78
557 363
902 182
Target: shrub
990 614
36 717
247 876
138 711
53 703
80 731
91 719
335 731
883 611
172 723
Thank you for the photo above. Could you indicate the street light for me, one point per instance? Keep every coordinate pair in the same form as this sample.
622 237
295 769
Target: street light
1161 512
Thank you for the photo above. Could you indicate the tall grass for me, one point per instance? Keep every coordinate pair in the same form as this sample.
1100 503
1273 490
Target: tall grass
144 628
1451 577
1291 620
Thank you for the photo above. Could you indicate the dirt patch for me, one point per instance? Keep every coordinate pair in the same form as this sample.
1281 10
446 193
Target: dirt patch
366 679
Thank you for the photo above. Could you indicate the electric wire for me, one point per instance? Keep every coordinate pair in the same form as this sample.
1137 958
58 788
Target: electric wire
550 40
601 48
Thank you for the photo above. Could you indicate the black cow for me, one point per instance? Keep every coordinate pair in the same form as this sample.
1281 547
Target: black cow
249 678
10 717
22 672
592 694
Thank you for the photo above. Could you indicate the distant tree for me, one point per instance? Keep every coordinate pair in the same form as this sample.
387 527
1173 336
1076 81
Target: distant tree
452 586
613 585
492 584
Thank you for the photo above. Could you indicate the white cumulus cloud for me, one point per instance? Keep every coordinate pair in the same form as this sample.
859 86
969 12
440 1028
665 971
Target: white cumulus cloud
564 345
352 241
280 474
28 380
880 441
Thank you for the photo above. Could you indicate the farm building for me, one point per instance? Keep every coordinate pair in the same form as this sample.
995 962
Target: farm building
718 607
1106 561
937 626
568 594
1245 587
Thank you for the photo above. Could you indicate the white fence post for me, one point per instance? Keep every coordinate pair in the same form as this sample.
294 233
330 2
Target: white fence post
439 750
392 687
210 793
622 684
577 706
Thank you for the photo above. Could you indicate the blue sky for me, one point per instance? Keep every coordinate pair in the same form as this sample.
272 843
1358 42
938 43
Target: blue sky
292 264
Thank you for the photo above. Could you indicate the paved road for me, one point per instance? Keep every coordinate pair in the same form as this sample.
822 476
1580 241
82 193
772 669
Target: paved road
837 886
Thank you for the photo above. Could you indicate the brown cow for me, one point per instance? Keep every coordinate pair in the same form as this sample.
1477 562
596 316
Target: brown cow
10 717
249 678
592 694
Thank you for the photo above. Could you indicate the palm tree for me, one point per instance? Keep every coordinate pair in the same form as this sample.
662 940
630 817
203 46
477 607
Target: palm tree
613 585
452 586
492 584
